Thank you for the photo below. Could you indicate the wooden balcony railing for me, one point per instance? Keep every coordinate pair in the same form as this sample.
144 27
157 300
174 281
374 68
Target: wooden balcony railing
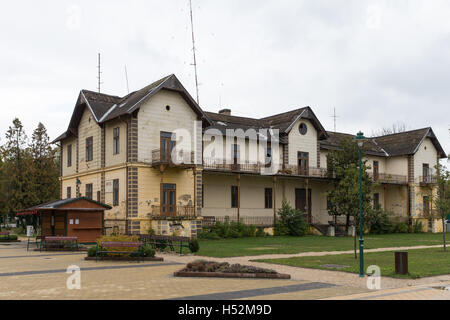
210 221
181 211
183 158
389 178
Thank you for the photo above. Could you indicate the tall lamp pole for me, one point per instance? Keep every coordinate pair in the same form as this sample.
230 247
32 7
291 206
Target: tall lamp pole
360 141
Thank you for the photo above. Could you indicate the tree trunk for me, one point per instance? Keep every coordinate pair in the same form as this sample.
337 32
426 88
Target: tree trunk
356 254
443 234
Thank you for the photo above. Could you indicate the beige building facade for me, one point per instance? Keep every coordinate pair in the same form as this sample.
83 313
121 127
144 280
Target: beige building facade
148 155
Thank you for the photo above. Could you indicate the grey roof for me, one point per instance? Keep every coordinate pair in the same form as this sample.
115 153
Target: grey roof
283 122
107 107
398 144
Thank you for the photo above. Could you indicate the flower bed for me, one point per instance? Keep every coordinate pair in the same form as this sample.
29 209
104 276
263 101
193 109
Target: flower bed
122 252
202 268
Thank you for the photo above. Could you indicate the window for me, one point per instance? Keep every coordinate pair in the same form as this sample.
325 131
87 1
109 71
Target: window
234 196
167 146
115 192
268 160
89 149
303 129
376 170
89 191
268 198
329 204
168 200
69 192
116 147
303 163
69 155
376 201
426 172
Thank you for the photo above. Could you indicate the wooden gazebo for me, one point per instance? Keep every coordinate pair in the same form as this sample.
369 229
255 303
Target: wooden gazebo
78 217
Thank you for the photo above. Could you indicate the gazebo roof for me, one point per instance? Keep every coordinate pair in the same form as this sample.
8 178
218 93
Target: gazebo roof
60 204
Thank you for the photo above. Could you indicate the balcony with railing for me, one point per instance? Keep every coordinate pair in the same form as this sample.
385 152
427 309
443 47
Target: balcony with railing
180 212
426 180
184 159
388 178
256 168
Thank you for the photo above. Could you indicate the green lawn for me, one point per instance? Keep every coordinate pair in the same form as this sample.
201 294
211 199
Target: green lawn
422 263
281 245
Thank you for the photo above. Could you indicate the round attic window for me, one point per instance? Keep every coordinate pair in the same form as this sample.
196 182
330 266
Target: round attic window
168 108
303 128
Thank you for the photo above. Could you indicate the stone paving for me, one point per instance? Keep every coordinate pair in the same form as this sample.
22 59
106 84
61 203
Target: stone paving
42 275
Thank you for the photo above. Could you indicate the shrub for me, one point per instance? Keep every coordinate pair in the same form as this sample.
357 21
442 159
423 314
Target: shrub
11 237
194 246
208 235
151 232
260 232
400 227
290 222
148 251
377 222
417 227
227 230
91 251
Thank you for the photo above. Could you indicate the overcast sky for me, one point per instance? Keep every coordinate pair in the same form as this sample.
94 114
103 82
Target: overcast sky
376 62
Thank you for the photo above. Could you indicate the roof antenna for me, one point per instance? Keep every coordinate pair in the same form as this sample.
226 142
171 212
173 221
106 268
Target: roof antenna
99 74
126 77
193 49
335 118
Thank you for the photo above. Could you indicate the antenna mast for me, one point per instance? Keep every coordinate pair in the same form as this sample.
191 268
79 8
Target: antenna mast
126 77
335 118
193 49
99 74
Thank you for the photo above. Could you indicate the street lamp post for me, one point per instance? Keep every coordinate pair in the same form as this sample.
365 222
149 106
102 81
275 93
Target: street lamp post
360 141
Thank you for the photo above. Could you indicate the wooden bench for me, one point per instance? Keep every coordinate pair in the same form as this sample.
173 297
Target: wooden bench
162 242
47 241
106 245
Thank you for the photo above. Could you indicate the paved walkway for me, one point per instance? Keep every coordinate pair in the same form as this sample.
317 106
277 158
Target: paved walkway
331 277
42 275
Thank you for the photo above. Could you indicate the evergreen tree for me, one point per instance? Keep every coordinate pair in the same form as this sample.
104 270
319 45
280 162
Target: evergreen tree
17 170
45 166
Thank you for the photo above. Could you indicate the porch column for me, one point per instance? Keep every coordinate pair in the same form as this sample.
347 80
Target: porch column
274 200
239 197
307 200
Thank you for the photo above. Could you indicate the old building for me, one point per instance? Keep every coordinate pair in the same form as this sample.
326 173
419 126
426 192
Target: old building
119 151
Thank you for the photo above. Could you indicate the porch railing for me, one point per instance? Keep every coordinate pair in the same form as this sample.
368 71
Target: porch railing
388 178
219 164
181 211
429 179
258 221
183 158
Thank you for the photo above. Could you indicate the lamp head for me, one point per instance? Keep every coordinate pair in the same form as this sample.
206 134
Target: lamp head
360 139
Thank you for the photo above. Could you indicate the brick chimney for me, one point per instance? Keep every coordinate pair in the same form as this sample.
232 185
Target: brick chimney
226 112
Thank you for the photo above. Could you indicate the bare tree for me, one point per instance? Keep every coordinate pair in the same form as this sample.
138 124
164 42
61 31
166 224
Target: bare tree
395 128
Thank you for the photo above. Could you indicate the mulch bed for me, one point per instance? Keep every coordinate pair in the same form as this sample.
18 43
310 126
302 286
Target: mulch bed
9 241
211 269
232 275
119 258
